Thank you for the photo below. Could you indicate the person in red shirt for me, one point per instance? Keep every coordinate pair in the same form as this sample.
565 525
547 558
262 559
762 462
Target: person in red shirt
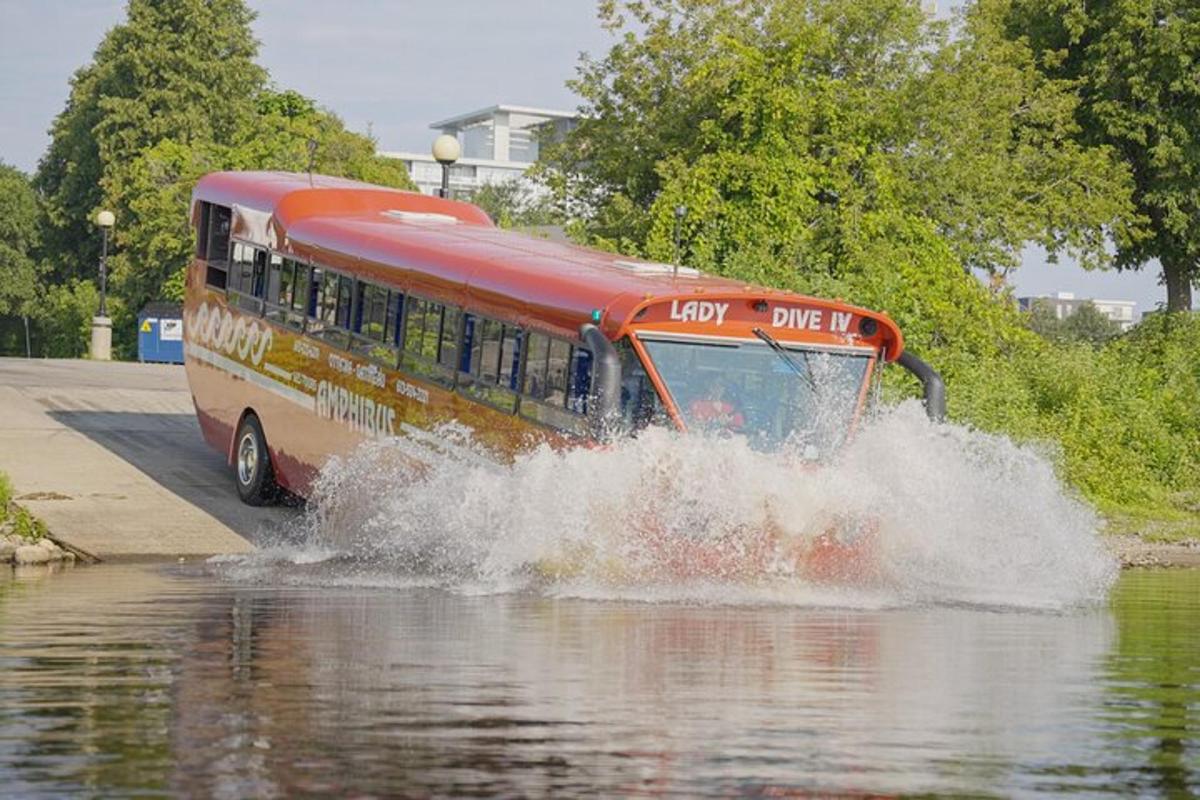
714 412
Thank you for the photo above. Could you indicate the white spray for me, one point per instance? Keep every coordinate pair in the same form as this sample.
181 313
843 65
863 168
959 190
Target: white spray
963 517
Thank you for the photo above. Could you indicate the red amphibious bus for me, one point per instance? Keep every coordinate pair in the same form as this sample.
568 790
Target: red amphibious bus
322 311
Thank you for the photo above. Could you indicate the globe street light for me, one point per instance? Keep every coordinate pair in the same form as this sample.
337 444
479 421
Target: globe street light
446 151
101 324
106 220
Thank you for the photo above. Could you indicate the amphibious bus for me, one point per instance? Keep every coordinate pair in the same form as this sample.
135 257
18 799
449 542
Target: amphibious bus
321 312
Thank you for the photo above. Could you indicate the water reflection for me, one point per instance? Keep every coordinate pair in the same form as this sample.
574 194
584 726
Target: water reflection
120 680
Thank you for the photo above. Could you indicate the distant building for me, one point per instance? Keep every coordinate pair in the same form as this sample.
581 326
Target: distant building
499 144
1066 303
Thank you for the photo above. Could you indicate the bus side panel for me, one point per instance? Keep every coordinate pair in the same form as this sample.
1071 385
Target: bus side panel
315 401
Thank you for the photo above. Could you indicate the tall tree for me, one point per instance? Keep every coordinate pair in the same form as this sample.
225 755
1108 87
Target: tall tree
780 124
178 69
1135 63
20 234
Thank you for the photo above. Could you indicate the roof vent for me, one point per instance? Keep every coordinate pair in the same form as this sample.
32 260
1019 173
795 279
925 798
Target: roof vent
654 268
421 217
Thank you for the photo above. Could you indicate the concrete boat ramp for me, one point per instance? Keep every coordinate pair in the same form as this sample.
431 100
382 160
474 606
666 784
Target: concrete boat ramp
110 456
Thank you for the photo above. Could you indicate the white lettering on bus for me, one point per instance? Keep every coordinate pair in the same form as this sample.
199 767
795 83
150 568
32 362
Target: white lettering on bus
306 349
840 322
412 392
801 319
369 373
341 364
355 411
699 311
218 329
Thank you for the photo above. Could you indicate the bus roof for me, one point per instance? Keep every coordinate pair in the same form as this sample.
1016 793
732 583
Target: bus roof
452 251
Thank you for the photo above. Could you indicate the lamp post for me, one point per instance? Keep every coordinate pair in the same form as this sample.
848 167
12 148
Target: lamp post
446 152
101 349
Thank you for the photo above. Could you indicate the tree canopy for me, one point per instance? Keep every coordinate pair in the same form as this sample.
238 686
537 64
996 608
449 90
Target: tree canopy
1135 65
781 124
172 93
20 237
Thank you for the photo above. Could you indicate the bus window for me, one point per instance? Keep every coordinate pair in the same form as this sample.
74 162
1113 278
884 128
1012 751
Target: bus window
371 325
581 380
345 299
556 372
219 226
274 264
448 348
483 364
395 306
510 357
323 321
468 362
422 337
302 295
279 289
247 276
640 403
535 366
488 368
202 230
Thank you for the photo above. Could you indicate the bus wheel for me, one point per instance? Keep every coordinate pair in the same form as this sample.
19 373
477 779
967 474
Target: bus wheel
252 462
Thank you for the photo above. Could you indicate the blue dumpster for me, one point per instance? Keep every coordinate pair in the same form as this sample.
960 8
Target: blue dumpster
160 333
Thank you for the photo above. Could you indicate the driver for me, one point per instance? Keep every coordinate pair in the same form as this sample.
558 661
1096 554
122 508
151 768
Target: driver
713 411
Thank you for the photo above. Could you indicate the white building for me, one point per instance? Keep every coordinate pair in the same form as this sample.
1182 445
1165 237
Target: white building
499 144
1065 304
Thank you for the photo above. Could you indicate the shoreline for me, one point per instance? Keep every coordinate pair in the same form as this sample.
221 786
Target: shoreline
1134 552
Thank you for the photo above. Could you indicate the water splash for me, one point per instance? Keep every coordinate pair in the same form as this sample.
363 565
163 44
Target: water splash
962 517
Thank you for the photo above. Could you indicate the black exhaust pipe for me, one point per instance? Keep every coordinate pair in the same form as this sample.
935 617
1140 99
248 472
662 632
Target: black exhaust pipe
604 400
935 387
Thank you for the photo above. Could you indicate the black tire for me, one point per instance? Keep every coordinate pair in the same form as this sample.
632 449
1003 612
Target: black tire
252 469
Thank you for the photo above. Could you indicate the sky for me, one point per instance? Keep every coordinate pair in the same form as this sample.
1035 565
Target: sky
391 67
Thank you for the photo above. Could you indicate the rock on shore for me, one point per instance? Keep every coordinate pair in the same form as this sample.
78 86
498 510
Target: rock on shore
16 549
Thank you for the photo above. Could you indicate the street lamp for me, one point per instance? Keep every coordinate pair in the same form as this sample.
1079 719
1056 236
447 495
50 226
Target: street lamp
446 151
101 324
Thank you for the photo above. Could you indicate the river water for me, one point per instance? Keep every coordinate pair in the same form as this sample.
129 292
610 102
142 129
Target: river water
121 680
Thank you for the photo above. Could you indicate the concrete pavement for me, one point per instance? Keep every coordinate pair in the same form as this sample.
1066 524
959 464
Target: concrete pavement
110 456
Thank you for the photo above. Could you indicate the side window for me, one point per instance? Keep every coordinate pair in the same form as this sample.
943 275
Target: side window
395 311
535 366
302 299
488 369
202 230
414 325
580 386
274 265
556 372
370 324
510 357
640 403
485 379
468 361
345 298
287 283
324 317
448 348
219 226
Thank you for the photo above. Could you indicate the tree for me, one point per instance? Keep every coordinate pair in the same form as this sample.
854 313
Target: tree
174 93
1086 324
1134 63
182 70
780 124
510 204
20 235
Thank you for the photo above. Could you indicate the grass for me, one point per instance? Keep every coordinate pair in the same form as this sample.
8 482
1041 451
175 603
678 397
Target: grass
23 523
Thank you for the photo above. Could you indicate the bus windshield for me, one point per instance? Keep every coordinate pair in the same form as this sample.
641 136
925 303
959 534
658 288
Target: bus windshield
787 397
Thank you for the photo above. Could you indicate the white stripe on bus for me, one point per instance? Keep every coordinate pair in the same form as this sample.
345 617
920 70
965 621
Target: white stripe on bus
257 378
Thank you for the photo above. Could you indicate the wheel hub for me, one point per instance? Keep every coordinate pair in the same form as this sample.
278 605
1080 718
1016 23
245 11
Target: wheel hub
247 458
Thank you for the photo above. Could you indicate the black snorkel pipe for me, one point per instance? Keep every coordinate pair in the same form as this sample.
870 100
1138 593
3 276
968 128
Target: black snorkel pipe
935 387
604 401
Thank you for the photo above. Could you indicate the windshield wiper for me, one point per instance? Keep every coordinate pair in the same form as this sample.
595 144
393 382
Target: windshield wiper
805 373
